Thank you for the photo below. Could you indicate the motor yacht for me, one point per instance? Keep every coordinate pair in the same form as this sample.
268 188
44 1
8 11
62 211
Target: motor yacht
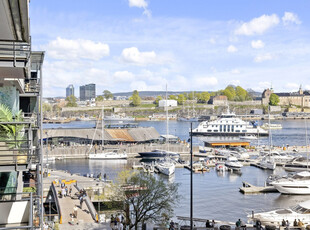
157 153
298 184
233 163
229 125
297 164
278 158
220 166
248 137
275 217
271 126
267 163
166 167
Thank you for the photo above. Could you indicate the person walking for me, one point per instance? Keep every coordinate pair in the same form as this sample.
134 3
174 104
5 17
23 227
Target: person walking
70 191
75 211
81 201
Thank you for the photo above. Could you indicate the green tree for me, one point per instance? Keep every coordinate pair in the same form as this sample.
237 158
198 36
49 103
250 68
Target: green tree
46 107
107 94
135 98
158 98
148 198
99 98
241 94
229 92
203 97
274 99
11 133
172 97
181 99
71 101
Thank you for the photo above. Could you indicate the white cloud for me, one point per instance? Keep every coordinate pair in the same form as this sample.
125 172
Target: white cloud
307 87
234 82
235 71
123 76
202 82
231 49
133 55
258 25
290 17
257 44
263 57
75 49
140 4
292 86
262 85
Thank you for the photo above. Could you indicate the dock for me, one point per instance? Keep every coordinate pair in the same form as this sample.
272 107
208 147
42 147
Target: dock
248 188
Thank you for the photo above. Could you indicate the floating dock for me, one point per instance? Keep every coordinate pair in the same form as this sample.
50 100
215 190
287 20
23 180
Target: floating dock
248 188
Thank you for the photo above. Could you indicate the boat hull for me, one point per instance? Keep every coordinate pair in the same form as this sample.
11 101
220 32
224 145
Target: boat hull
226 134
107 156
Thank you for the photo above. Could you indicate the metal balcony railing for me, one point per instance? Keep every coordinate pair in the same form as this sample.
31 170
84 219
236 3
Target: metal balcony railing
15 52
32 86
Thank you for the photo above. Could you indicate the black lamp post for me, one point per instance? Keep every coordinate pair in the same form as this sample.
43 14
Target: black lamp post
191 189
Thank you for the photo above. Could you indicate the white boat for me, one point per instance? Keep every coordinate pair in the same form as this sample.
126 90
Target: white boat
158 153
233 163
220 166
188 119
248 137
271 126
278 158
298 184
297 164
115 117
229 125
111 155
166 167
275 217
267 163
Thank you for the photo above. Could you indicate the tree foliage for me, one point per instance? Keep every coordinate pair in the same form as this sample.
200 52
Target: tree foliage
46 107
241 94
99 98
71 101
172 97
158 98
203 97
146 198
107 94
181 99
135 98
274 99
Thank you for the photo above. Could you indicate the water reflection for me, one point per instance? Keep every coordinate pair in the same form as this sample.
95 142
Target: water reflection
290 200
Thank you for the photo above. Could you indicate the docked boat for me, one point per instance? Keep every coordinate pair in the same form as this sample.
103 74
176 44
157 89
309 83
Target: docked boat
157 153
297 164
233 163
220 166
271 126
248 137
111 155
228 124
115 117
267 163
166 167
188 119
275 217
278 158
298 184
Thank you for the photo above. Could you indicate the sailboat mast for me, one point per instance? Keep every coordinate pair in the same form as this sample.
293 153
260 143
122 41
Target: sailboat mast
167 118
102 128
269 130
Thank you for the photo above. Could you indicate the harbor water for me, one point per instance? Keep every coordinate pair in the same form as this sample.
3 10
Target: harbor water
216 195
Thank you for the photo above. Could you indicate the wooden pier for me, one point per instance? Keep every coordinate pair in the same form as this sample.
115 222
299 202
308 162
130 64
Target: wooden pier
248 188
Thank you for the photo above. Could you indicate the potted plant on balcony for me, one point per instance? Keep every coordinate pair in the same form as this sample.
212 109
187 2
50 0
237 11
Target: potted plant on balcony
12 135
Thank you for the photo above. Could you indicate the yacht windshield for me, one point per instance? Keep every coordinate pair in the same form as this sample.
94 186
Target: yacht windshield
301 210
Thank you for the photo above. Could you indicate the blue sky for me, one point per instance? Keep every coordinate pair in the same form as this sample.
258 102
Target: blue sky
123 45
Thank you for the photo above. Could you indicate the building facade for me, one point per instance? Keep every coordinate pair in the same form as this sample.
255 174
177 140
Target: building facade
87 92
300 98
70 90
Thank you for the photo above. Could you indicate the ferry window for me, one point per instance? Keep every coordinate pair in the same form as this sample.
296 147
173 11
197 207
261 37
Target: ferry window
209 130
221 128
215 130
228 128
244 131
237 131
224 128
232 128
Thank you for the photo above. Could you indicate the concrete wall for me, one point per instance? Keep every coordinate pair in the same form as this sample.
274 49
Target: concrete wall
244 102
14 212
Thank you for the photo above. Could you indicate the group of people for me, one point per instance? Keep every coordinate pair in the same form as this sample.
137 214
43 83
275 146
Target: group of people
299 223
81 196
100 177
210 224
65 191
118 222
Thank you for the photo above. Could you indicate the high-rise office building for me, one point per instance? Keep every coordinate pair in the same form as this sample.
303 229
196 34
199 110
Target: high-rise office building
87 92
70 90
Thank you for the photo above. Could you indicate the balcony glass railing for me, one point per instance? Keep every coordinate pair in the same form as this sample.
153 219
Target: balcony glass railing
14 51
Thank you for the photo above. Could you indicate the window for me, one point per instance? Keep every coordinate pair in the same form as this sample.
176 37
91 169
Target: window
224 128
221 128
232 128
228 128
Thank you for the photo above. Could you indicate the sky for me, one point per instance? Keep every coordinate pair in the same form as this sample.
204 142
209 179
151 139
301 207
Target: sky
201 45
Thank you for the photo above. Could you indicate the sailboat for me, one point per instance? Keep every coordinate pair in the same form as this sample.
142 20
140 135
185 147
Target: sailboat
266 162
111 155
189 118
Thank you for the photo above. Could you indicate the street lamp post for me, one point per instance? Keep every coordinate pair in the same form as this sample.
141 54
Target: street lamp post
191 189
46 153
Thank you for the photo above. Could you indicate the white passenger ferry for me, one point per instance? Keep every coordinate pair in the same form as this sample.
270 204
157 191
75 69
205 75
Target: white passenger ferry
229 125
